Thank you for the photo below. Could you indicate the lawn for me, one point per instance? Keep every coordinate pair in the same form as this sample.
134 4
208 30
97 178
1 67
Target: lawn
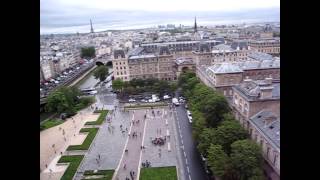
50 123
159 173
105 174
86 143
100 120
74 161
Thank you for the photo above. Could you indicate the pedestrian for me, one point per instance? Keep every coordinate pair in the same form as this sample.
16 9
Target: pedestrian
127 129
124 166
61 153
99 156
46 165
50 171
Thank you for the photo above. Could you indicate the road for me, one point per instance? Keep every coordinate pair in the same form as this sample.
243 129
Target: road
191 158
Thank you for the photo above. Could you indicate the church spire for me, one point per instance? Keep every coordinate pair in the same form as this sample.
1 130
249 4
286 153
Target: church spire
91 27
195 24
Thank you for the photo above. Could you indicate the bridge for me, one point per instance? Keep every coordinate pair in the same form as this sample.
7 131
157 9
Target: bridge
104 60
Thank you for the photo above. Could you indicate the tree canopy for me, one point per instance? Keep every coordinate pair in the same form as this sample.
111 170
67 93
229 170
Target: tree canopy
246 159
117 84
101 73
218 160
88 52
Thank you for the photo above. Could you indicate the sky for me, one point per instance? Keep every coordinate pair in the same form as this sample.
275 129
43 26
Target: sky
74 15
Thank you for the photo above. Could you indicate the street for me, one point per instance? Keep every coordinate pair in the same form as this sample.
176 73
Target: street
192 163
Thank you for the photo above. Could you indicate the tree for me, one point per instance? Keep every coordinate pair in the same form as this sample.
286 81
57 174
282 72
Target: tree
214 107
88 52
246 159
101 73
227 133
63 100
205 139
117 84
218 160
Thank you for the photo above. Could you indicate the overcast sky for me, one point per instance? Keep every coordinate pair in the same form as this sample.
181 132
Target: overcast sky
67 13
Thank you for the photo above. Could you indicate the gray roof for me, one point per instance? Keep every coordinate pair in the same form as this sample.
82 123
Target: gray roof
136 51
251 90
222 47
241 44
260 56
221 68
143 56
269 124
117 53
184 60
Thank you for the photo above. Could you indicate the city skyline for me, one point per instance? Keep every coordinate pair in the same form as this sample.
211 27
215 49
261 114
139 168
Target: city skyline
71 17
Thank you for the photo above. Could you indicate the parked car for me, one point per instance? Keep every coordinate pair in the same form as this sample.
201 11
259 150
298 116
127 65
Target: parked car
132 100
190 118
186 106
166 97
189 113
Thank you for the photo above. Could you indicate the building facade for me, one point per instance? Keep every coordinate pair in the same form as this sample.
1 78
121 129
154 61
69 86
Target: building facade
266 46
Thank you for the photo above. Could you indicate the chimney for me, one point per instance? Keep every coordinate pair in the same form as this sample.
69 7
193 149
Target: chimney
266 92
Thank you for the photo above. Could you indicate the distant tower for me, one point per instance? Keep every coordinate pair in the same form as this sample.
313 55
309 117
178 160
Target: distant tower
195 25
91 27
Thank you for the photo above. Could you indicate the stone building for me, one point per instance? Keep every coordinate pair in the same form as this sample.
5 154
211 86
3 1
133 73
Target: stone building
270 46
256 104
120 65
265 131
183 64
250 97
222 76
139 65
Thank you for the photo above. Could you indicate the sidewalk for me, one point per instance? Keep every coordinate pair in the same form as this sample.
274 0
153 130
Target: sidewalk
133 145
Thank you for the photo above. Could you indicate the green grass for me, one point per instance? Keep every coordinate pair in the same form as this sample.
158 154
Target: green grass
50 123
74 161
107 174
86 143
100 120
159 173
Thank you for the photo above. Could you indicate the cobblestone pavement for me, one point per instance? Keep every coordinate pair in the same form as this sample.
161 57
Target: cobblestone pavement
160 126
131 158
108 144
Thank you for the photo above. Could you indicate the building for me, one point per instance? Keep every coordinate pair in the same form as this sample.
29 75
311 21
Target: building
256 104
265 131
250 97
139 65
120 65
183 64
270 46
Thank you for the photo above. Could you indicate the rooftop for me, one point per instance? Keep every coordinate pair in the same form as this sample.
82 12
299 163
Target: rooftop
251 90
143 56
269 124
222 47
184 60
260 56
221 68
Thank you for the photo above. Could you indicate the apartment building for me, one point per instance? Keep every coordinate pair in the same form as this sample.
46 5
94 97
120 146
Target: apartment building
270 46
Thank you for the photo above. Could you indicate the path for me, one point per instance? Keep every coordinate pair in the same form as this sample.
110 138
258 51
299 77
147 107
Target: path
133 145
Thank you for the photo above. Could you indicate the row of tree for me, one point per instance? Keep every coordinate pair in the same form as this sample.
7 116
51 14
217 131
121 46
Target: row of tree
220 138
136 86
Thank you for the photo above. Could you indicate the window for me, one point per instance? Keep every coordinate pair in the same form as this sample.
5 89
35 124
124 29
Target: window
125 77
116 63
268 150
124 67
125 72
120 67
120 63
117 67
117 73
261 143
121 73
